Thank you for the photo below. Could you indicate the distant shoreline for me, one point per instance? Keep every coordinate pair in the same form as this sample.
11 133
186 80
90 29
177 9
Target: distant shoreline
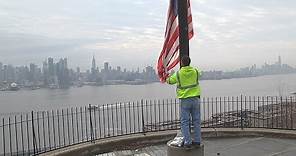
132 83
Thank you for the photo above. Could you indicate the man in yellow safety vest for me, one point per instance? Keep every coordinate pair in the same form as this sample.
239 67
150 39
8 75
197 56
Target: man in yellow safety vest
188 92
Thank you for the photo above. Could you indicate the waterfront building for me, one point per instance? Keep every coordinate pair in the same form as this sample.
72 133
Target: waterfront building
106 66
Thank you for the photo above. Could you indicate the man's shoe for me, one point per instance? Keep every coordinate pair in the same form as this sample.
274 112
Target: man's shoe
196 143
187 146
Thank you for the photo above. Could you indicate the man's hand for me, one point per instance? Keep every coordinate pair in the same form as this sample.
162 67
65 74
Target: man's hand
171 73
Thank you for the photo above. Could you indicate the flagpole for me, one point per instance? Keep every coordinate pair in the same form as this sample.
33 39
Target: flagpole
183 27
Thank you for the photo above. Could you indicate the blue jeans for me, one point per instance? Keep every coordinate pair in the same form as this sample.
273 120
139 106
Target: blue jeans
190 107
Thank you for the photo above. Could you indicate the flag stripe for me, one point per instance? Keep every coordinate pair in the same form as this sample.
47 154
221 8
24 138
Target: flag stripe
169 56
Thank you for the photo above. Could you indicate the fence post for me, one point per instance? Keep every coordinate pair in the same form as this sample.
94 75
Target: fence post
291 111
91 125
281 99
242 120
33 133
9 130
16 136
143 120
3 131
286 112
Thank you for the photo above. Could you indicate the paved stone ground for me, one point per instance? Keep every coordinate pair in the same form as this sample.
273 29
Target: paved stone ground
258 146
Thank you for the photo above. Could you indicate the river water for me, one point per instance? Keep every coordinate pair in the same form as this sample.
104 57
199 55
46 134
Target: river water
48 99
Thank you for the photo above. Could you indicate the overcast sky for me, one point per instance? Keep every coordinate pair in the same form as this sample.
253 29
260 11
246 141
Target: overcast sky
229 33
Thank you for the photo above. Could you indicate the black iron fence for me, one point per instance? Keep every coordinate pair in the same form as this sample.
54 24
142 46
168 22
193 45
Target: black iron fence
38 132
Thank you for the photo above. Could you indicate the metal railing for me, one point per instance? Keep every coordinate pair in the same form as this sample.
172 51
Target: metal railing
38 132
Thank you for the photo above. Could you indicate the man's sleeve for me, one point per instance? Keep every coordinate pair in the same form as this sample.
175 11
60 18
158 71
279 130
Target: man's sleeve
172 79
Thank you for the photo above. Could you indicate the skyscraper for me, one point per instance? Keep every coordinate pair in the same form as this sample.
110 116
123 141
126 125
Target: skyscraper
93 66
106 66
33 68
118 69
10 73
62 73
65 63
78 70
5 73
50 67
45 73
279 61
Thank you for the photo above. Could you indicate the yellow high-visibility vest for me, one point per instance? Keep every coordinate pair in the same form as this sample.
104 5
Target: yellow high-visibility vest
187 80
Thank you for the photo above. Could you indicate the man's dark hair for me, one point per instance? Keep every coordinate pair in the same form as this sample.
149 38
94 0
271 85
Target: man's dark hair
185 61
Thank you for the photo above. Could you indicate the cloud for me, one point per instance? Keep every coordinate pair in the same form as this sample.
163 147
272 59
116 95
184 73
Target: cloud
200 1
242 33
116 30
129 39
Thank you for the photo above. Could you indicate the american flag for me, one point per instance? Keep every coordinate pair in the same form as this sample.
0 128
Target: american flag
169 56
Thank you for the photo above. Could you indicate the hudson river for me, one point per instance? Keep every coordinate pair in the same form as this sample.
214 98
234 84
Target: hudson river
48 99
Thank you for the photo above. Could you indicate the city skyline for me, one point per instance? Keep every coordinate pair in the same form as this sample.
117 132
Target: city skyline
55 72
101 65
229 33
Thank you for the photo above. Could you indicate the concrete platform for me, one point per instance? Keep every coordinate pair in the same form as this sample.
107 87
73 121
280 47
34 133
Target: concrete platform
246 146
223 141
